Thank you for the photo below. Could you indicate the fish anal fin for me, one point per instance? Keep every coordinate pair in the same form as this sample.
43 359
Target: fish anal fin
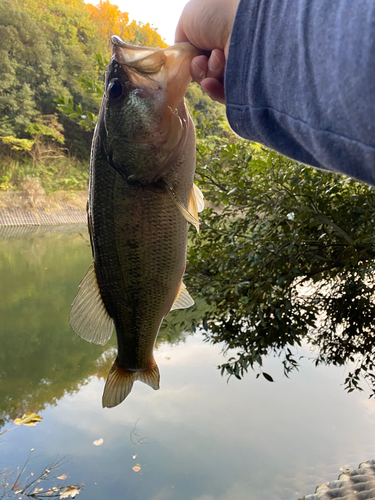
120 383
183 298
88 316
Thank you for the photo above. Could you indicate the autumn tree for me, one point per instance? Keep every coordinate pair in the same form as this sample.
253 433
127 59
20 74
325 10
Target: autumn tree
110 20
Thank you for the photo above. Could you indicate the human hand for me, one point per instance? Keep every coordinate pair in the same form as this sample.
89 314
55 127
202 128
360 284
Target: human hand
207 24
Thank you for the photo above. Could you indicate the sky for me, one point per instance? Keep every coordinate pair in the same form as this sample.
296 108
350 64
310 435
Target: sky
162 14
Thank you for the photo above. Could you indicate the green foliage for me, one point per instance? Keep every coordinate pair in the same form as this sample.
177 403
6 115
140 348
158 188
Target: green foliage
58 172
74 111
285 255
207 114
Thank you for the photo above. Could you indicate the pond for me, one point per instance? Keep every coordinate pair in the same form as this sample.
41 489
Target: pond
199 437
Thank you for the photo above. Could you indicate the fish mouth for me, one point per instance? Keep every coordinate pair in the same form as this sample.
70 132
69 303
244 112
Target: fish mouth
167 69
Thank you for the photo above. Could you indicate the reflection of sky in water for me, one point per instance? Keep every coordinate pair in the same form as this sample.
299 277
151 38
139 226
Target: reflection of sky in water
206 439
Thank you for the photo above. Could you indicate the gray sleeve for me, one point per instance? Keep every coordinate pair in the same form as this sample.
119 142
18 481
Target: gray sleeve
300 79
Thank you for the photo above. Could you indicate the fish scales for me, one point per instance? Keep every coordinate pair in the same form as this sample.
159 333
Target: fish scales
138 261
141 199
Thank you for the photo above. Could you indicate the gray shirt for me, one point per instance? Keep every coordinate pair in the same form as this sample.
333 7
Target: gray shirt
300 79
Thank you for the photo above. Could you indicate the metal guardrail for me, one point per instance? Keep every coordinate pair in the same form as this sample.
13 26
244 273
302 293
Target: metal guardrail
40 216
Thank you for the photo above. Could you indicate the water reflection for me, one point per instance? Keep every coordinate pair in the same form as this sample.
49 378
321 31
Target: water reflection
41 358
198 438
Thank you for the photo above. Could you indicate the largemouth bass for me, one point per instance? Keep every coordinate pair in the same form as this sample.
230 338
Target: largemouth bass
141 198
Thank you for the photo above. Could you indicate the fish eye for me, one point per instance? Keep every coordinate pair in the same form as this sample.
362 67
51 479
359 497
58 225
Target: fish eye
114 89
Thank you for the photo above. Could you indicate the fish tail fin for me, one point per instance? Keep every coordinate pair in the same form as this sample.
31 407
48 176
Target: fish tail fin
120 383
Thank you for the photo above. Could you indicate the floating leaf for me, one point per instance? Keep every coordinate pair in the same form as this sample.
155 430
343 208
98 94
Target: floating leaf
29 419
99 442
136 468
70 491
37 490
64 476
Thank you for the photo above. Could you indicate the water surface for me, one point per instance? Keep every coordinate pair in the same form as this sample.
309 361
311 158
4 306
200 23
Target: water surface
198 438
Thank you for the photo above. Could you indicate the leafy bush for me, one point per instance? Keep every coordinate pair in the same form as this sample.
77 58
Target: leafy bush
285 255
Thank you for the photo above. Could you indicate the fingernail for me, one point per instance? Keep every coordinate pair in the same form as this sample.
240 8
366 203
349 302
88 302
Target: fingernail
214 63
198 72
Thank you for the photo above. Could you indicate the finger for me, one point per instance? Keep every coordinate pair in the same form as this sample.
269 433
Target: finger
199 68
216 65
180 35
214 88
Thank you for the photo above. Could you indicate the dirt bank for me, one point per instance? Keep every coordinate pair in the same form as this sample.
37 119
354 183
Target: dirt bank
35 209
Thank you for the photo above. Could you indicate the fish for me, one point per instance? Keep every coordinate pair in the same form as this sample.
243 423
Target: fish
141 200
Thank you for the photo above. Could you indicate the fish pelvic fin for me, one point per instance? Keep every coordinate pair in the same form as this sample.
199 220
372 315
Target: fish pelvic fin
88 316
120 383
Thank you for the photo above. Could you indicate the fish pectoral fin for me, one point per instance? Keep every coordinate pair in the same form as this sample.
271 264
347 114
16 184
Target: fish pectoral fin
196 202
88 316
120 383
197 194
183 298
186 213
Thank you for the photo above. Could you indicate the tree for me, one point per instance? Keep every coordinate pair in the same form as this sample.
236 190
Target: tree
285 255
111 21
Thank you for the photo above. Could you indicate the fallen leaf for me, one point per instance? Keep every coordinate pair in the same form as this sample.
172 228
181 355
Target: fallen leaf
49 492
136 468
70 491
134 457
98 442
29 419
31 473
37 490
64 476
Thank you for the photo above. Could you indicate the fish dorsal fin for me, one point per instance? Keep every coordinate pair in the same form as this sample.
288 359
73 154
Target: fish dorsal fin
120 383
88 316
183 298
188 216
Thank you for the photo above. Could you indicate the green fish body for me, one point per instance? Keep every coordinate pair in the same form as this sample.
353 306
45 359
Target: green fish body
141 198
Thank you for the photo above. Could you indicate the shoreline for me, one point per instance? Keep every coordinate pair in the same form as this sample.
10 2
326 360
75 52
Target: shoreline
62 207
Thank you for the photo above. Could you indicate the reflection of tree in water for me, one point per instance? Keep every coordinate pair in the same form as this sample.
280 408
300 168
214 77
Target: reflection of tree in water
38 486
280 227
41 358
26 484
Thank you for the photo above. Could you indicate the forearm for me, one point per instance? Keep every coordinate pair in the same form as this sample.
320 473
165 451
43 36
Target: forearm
300 78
